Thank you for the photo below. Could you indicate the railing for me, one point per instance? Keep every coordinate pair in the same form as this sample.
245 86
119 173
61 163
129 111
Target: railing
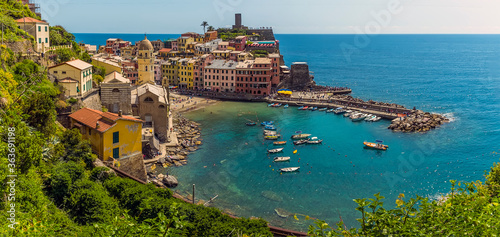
47 49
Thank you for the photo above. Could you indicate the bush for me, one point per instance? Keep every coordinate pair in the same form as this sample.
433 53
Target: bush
72 101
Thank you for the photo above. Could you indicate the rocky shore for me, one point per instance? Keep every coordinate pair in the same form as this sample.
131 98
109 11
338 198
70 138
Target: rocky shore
188 140
418 121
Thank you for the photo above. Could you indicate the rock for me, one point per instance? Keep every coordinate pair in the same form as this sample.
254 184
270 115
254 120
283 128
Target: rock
158 183
176 163
272 196
170 181
282 212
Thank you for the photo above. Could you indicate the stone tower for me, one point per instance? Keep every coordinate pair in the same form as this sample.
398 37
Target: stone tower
145 61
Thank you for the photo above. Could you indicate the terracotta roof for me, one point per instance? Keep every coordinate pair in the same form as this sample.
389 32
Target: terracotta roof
90 117
77 63
29 20
164 50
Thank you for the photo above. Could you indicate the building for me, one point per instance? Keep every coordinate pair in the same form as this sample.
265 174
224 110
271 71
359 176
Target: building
210 35
38 29
237 22
112 136
150 103
163 53
254 76
157 45
110 63
145 60
186 73
33 6
199 70
116 93
240 43
74 76
220 76
183 42
275 72
170 72
157 69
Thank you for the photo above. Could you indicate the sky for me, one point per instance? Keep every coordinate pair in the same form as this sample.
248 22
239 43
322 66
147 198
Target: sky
284 16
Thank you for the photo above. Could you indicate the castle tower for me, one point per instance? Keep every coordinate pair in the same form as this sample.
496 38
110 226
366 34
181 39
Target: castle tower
145 61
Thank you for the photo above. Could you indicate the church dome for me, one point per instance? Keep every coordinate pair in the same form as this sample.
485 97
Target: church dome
145 44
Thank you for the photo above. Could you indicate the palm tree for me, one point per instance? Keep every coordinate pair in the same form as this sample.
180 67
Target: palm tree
210 28
204 24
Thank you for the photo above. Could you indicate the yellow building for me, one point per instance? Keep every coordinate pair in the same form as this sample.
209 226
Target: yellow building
74 76
107 64
221 54
145 61
186 73
110 135
38 29
182 43
170 72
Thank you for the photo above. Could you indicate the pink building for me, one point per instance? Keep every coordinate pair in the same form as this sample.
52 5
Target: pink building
158 75
240 43
220 76
199 70
254 76
275 72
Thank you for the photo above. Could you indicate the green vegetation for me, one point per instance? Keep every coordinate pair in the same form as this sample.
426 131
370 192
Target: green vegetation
59 36
470 209
228 34
10 11
260 53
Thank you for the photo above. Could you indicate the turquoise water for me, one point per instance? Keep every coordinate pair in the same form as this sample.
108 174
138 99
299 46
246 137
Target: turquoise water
457 75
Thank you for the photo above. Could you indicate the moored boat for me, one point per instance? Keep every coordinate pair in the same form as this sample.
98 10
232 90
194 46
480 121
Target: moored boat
286 106
322 109
300 136
305 107
301 108
330 111
281 159
314 140
267 123
289 169
378 145
348 113
339 111
300 142
279 143
251 124
276 150
270 132
270 127
272 137
358 118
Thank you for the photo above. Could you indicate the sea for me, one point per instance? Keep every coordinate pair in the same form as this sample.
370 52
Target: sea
454 75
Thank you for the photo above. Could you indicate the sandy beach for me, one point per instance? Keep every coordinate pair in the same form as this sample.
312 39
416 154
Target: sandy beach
184 103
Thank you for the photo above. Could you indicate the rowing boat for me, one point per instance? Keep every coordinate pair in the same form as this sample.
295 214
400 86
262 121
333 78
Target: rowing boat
289 169
279 143
378 146
281 159
276 150
300 136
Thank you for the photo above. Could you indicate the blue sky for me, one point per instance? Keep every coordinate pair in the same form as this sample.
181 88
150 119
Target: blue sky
285 16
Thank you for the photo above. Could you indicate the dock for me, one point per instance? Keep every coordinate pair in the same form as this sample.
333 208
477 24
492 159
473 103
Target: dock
385 112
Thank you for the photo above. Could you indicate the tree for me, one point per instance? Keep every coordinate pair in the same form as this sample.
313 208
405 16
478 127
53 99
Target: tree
59 36
65 55
211 28
204 24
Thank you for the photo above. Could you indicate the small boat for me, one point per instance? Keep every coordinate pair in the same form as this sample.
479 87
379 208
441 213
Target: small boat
281 159
270 132
280 143
310 108
270 105
315 141
376 119
273 137
277 105
300 142
322 109
286 106
300 136
330 111
348 113
301 108
251 124
305 107
378 145
270 127
276 150
360 117
339 111
290 169
267 123
315 108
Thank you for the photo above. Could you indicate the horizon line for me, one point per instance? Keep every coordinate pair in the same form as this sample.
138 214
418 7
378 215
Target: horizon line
128 33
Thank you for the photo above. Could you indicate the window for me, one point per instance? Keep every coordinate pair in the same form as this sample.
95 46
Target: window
39 28
40 40
148 99
63 72
116 153
55 72
46 40
116 137
45 28
116 90
90 131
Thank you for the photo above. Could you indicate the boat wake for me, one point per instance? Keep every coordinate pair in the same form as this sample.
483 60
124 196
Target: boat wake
450 116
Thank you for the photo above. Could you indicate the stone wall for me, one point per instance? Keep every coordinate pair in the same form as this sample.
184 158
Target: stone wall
92 100
116 97
134 165
265 34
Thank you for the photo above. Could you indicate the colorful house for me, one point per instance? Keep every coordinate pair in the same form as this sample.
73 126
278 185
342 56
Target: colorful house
74 76
110 135
38 29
